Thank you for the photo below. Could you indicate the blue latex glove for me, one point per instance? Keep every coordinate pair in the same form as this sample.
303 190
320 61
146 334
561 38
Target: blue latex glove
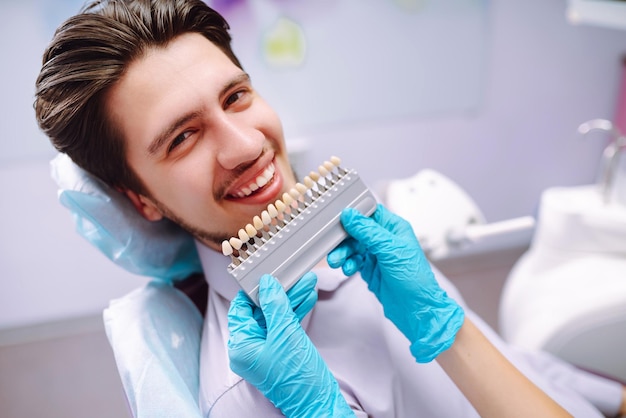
276 355
386 252
107 219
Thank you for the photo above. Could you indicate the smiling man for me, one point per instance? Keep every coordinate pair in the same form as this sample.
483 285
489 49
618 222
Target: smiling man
149 97
208 149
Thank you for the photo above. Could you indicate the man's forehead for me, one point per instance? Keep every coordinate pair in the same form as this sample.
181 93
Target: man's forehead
169 81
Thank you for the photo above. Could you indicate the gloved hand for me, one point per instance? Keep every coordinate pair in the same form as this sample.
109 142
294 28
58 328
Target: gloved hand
276 355
107 219
386 252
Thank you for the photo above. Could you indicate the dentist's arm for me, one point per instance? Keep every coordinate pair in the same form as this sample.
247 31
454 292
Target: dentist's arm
384 249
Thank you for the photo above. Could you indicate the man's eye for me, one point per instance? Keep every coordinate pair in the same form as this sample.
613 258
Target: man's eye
233 98
178 140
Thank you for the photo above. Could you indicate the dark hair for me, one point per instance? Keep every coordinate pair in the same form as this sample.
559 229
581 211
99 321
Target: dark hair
89 53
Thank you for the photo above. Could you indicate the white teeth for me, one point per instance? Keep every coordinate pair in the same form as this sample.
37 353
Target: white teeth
258 183
267 175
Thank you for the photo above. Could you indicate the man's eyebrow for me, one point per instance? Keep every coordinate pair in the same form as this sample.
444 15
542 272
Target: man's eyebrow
163 137
241 78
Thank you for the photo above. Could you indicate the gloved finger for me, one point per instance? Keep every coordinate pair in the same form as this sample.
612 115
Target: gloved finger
275 304
303 295
352 265
338 255
347 256
242 324
347 249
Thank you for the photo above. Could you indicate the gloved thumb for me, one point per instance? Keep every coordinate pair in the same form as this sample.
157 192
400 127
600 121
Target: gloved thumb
274 303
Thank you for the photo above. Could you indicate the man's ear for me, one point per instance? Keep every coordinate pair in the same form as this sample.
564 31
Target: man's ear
144 205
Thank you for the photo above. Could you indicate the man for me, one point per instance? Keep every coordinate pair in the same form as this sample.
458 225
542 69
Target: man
149 97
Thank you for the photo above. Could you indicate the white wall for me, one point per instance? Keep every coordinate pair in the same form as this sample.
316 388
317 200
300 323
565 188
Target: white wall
544 77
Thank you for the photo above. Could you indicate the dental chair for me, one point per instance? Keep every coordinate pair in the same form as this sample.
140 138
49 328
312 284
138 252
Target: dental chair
155 330
567 294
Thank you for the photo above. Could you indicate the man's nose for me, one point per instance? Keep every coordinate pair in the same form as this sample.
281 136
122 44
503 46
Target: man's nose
239 143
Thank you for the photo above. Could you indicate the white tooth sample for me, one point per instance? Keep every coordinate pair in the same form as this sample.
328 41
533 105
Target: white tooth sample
335 160
329 166
251 230
236 243
308 182
257 222
314 175
266 218
322 170
295 193
227 249
301 188
271 209
243 236
280 206
287 199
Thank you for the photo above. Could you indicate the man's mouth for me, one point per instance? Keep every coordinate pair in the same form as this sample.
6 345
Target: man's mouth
255 185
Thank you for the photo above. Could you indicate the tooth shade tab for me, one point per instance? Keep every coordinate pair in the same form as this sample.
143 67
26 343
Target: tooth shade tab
335 160
308 182
251 230
280 206
295 193
287 199
323 171
243 236
272 210
314 175
258 222
266 218
301 188
329 166
235 243
227 249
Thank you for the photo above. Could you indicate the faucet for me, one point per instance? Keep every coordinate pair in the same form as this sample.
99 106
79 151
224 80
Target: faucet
610 155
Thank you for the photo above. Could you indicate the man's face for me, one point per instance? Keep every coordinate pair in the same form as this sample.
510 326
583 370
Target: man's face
208 149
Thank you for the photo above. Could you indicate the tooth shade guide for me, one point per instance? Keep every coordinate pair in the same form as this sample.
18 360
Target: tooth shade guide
296 214
297 246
